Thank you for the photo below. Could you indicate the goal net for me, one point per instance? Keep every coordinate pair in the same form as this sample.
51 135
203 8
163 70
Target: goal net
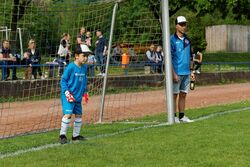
135 88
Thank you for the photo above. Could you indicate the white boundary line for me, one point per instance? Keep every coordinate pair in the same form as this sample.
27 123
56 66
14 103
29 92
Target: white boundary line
221 113
139 122
33 149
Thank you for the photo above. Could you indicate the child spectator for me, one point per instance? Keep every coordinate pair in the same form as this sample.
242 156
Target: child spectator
91 65
125 61
88 39
28 67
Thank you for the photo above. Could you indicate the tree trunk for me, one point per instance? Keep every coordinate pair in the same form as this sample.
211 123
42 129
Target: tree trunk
18 12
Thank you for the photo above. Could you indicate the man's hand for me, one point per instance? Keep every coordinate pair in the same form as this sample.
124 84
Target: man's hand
70 97
86 97
192 76
13 59
175 77
105 52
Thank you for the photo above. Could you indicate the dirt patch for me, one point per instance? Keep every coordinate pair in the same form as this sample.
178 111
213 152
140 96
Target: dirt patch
33 116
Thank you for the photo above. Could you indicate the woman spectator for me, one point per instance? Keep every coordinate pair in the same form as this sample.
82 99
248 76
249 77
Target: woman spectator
159 59
64 53
35 59
81 37
151 58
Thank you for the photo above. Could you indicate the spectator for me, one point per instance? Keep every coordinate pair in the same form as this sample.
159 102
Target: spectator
27 62
182 67
125 61
159 59
35 59
81 37
6 59
117 53
197 58
100 51
64 53
91 65
132 53
88 39
151 58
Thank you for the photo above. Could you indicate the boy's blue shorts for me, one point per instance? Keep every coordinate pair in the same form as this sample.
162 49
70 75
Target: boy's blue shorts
71 108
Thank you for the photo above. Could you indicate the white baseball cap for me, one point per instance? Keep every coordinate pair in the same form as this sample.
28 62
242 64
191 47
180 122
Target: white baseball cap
180 19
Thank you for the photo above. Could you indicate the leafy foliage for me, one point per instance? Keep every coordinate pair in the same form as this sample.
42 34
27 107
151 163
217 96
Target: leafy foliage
137 21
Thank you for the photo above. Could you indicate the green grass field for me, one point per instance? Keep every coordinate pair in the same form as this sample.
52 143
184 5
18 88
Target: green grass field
222 140
226 57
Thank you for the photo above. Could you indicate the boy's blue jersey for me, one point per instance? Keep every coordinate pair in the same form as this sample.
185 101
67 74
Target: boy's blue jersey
74 79
181 54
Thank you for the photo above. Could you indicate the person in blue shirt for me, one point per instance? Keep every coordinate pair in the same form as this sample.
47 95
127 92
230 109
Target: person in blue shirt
73 88
182 67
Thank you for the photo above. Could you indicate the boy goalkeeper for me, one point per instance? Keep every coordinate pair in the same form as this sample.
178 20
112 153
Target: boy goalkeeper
73 88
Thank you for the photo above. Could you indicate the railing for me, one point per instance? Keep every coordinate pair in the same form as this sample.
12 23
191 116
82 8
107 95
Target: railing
52 69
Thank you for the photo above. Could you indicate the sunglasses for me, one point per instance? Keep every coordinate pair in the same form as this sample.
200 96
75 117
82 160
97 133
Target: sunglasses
182 24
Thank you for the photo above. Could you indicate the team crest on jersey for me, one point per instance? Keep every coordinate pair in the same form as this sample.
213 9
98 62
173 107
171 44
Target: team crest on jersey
80 76
186 41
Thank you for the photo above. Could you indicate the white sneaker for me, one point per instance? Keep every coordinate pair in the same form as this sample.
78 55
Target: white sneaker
103 74
100 74
197 72
42 77
176 120
186 120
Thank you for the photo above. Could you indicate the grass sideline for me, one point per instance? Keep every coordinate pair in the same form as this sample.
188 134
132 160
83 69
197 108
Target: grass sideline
226 57
221 141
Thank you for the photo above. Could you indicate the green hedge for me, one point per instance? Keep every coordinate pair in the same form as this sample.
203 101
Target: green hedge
226 57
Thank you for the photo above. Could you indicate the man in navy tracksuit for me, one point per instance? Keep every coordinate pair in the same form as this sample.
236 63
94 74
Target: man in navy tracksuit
100 51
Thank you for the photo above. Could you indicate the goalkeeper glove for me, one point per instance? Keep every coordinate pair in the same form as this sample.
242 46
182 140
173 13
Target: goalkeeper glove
69 96
86 97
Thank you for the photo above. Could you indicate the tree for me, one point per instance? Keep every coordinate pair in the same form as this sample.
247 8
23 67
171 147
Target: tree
239 8
18 12
234 9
